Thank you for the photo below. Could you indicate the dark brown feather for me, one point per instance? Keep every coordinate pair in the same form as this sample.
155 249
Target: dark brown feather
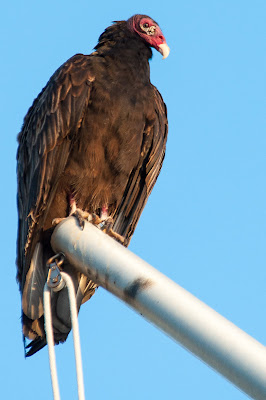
96 132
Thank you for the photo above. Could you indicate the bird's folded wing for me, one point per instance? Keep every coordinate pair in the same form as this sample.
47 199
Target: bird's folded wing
143 177
44 146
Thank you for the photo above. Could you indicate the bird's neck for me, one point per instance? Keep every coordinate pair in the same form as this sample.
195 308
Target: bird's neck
131 57
125 49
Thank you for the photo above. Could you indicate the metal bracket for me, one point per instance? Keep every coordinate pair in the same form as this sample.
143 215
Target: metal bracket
54 278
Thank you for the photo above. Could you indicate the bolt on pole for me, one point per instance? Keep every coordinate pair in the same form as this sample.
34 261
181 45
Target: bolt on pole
208 335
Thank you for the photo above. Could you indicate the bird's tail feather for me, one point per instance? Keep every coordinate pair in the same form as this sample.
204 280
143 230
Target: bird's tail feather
33 328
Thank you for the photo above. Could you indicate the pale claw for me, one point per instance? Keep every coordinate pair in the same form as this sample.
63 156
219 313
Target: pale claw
82 216
57 221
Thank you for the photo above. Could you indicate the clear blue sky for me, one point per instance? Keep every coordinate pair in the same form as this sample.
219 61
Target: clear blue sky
204 225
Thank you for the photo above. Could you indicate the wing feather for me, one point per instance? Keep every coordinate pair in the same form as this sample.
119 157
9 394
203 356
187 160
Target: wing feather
44 149
144 176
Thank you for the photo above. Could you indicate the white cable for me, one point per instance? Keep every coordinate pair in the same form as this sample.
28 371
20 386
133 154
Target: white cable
75 328
50 338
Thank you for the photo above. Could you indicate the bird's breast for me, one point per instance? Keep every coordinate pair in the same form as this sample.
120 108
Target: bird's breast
107 149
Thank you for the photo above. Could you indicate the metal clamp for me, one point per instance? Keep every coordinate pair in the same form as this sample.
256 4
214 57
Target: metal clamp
54 278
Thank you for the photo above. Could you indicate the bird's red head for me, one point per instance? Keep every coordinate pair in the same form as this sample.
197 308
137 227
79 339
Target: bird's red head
149 31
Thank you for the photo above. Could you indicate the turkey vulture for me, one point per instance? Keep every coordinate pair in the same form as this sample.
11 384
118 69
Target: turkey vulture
93 140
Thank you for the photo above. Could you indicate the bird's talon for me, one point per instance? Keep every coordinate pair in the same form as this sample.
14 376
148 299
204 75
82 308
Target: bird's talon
81 216
116 236
57 221
95 219
109 224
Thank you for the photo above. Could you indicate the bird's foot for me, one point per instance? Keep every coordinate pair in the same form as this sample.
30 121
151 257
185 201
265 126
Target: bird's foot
57 221
106 226
104 223
81 217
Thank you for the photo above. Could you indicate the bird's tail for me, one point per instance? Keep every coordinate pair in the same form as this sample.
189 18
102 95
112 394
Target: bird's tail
32 314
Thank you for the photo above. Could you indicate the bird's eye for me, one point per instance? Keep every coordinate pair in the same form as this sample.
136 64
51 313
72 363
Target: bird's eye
148 28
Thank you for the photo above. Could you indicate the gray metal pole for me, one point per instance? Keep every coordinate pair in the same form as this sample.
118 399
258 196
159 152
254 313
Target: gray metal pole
211 337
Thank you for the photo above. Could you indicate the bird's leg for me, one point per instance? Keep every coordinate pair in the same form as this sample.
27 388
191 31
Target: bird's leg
101 221
104 213
78 213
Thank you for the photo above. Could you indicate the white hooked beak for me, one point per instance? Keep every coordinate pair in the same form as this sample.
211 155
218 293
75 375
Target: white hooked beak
164 50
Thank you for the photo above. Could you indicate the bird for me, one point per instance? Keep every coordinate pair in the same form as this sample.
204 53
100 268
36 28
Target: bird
92 144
